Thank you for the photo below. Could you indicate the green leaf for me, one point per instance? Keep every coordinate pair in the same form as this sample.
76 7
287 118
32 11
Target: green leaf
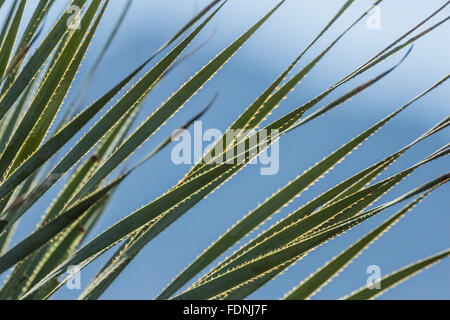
26 273
51 229
321 277
29 36
267 264
11 121
7 22
345 208
127 102
36 61
51 147
48 257
328 216
397 277
49 113
8 43
46 92
271 263
250 286
67 243
304 211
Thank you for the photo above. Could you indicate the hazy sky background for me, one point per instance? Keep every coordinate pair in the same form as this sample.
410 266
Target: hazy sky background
423 232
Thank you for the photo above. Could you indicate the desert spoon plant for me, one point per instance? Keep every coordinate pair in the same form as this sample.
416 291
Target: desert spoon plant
37 78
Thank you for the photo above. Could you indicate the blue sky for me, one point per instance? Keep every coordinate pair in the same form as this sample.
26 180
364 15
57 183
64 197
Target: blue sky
421 233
